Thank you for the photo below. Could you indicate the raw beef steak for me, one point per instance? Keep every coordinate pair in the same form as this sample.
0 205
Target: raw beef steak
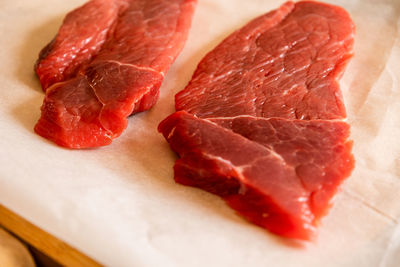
107 62
283 64
280 174
265 130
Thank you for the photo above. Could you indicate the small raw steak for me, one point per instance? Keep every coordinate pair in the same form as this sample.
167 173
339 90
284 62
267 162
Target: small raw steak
278 173
108 61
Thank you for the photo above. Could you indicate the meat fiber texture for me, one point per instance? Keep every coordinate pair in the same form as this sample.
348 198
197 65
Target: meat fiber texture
107 62
261 121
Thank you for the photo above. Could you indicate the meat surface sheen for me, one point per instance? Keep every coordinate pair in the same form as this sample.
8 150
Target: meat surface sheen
108 61
261 122
283 64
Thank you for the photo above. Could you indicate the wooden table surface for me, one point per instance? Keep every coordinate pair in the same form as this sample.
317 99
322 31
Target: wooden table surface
42 241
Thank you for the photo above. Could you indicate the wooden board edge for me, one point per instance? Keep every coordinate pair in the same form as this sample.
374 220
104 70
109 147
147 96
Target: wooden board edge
49 245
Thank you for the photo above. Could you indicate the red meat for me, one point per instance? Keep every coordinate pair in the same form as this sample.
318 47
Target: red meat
280 174
265 130
283 64
107 62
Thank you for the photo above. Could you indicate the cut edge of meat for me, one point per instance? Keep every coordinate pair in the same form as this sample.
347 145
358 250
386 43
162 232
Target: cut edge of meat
247 201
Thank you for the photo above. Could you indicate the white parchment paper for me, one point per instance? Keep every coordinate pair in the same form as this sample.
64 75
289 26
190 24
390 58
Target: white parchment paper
120 205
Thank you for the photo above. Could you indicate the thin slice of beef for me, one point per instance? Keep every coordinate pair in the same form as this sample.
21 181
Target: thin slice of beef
265 130
283 64
280 174
107 62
